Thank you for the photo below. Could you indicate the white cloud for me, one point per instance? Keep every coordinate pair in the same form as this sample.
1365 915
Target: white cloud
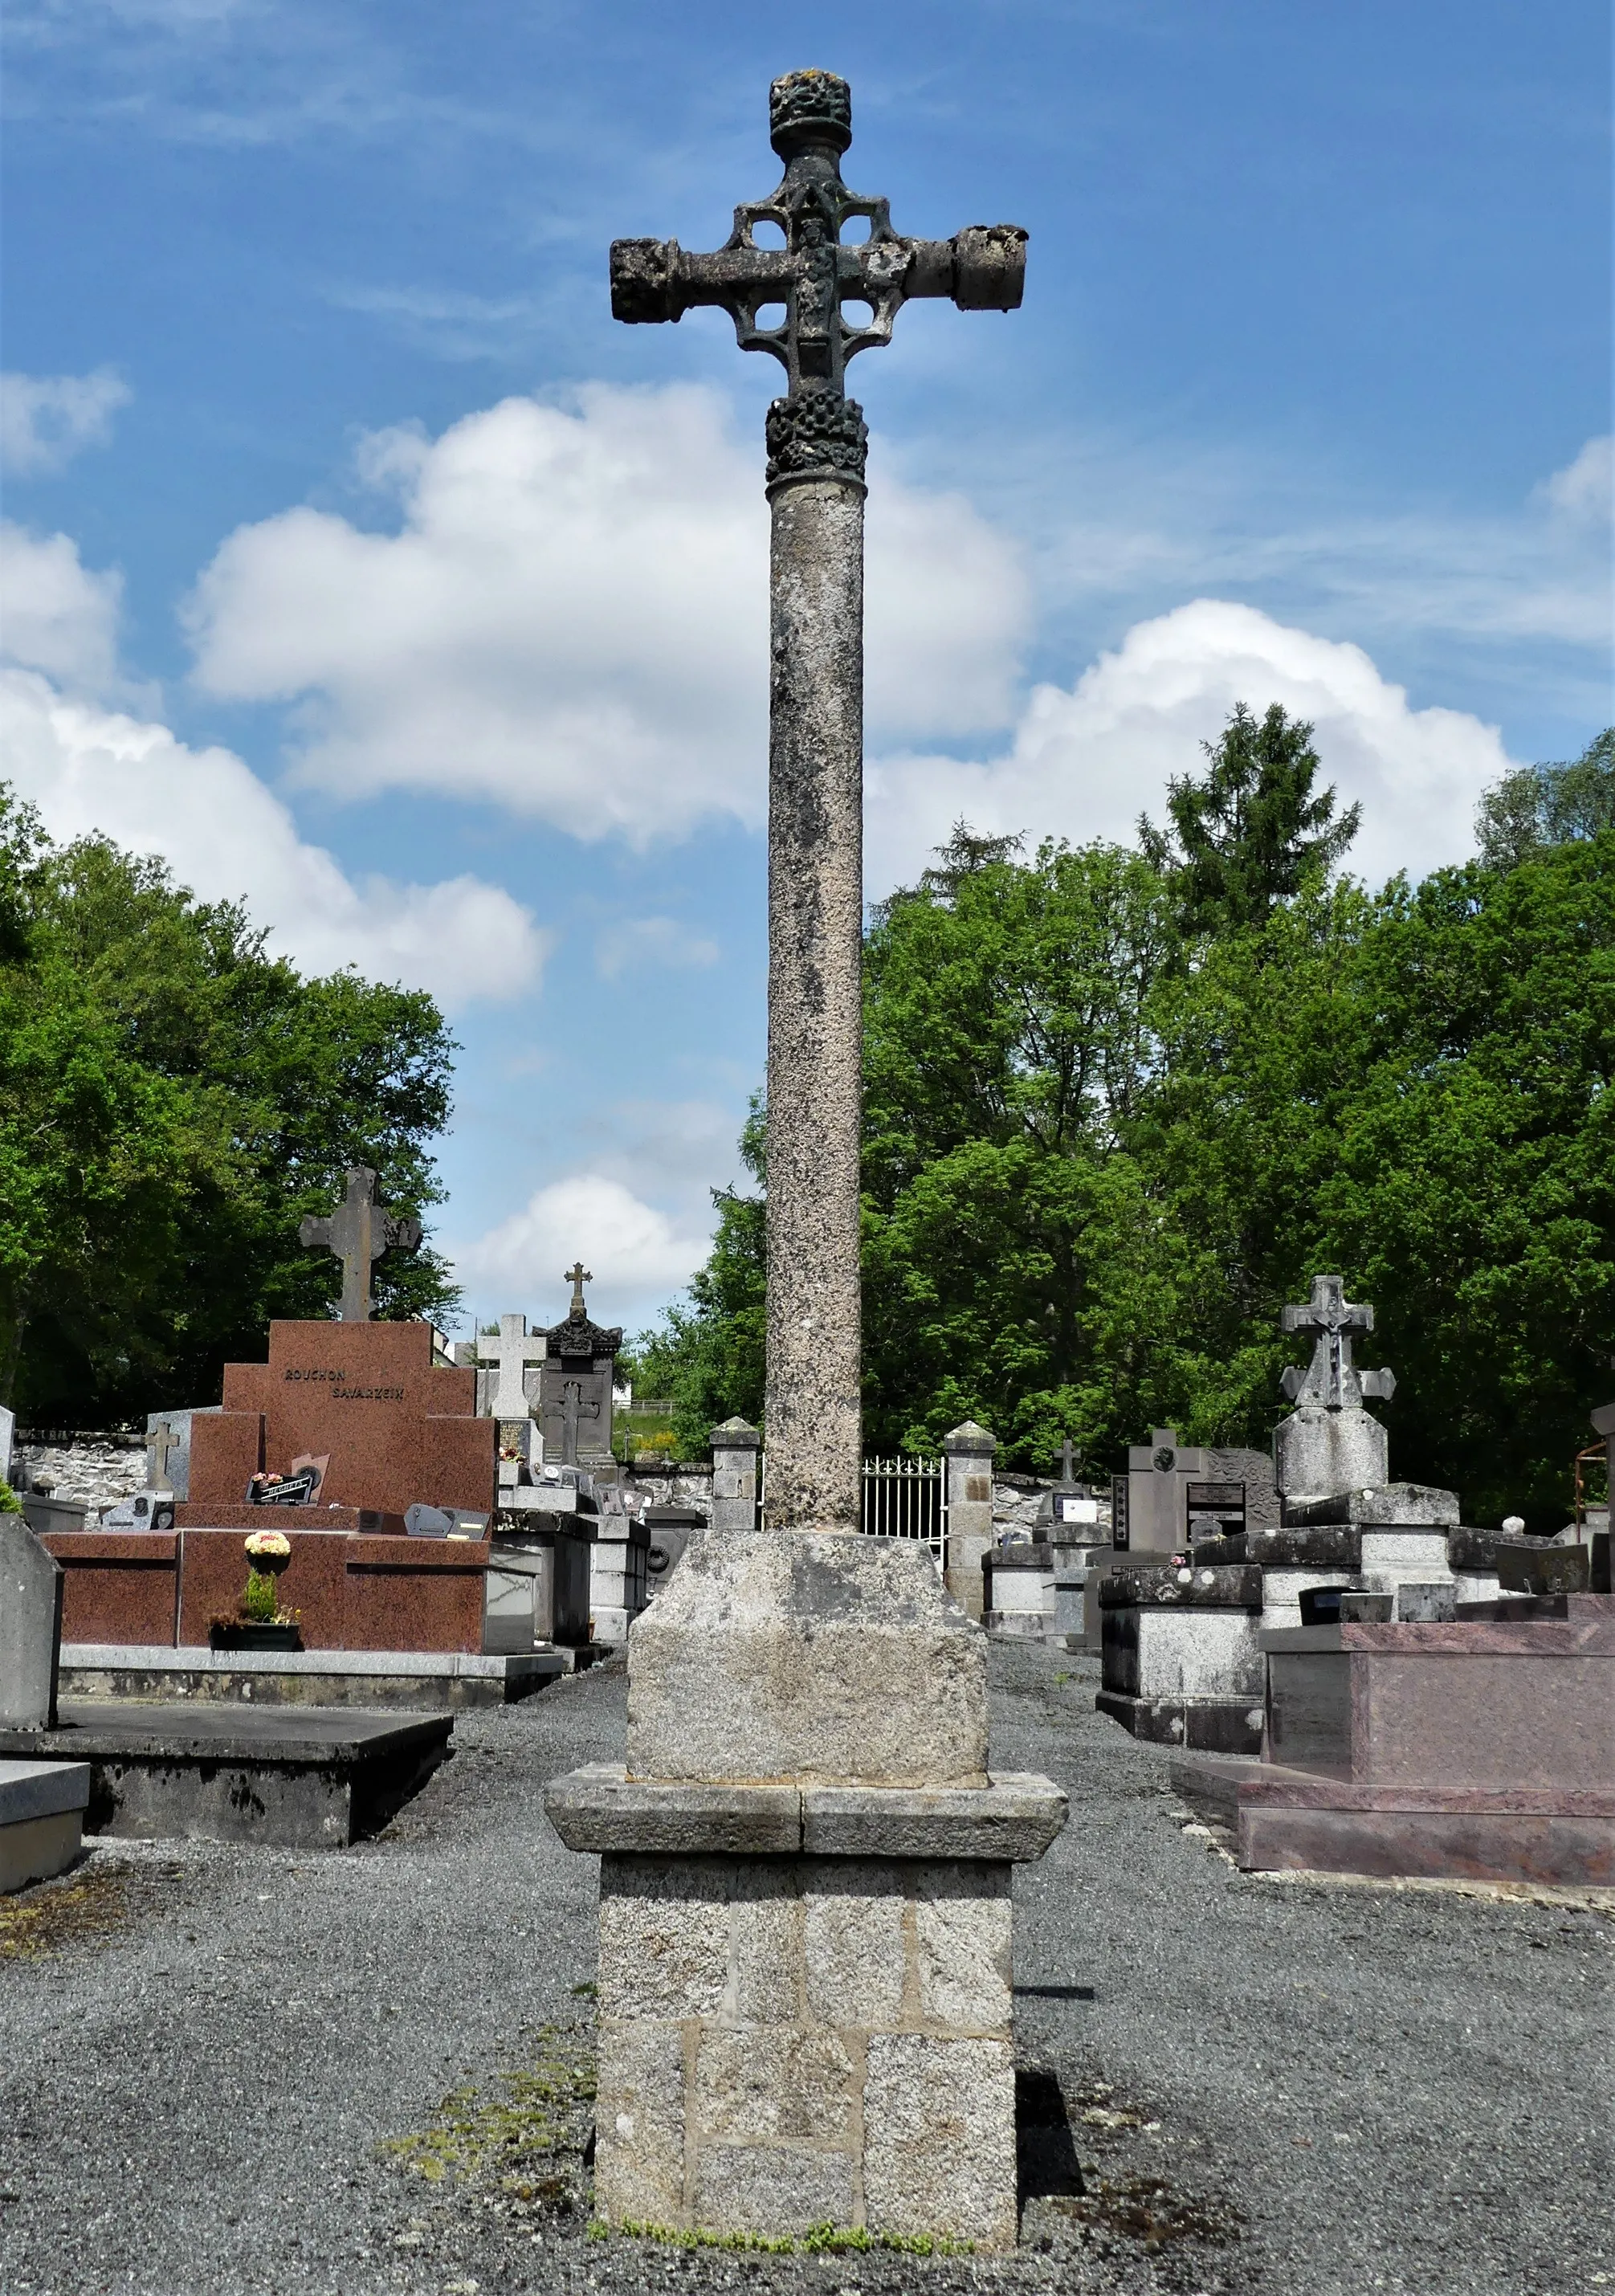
638 1255
1583 490
1086 761
571 618
47 419
92 771
628 944
55 614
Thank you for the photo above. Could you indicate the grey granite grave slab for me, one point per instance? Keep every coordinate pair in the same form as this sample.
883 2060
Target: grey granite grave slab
423 1680
301 1778
42 1807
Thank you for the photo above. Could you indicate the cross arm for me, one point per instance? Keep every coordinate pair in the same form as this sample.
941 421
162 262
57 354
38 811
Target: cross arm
981 268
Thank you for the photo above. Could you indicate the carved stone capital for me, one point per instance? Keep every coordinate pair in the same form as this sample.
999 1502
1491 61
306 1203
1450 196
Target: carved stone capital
816 434
806 108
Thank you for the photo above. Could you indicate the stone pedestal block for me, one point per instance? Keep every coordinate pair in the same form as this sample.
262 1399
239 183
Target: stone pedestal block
819 1655
1319 1450
789 2042
805 2001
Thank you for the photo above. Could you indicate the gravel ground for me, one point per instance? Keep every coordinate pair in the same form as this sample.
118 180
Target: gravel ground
255 2071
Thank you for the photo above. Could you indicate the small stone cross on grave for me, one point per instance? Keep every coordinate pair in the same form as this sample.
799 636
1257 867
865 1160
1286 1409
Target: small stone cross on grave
1331 1379
359 1231
510 1356
573 1409
577 1275
162 1444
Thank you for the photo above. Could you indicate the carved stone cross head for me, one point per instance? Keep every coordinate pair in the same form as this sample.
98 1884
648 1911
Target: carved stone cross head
1331 1379
359 1231
815 275
577 1275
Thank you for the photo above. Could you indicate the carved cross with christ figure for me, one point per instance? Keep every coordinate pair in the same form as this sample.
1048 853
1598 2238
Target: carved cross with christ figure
815 276
1332 1378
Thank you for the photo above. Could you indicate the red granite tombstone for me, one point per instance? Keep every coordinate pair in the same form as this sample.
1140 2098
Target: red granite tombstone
396 1429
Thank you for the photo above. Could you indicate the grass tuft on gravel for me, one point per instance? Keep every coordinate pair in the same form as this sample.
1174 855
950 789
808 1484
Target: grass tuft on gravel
88 1911
533 2122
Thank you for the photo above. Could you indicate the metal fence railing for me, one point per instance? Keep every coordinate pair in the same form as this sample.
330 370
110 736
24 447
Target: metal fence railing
907 1498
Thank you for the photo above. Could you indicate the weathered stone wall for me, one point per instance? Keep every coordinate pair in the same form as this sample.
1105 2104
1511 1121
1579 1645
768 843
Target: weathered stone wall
99 1468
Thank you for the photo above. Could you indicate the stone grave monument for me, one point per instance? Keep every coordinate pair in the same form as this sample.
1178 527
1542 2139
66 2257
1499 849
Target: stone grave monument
804 1991
575 1383
362 1418
1186 1639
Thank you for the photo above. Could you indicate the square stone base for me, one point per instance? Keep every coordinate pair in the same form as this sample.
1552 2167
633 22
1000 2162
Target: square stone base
790 2041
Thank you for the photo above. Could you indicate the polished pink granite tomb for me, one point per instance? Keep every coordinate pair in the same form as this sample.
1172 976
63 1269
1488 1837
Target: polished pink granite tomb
1482 1750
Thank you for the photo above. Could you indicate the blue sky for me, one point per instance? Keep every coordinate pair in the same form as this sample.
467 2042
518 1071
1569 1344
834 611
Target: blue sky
359 563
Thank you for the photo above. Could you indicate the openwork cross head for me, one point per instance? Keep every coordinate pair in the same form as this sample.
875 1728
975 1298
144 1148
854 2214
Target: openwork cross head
816 277
1331 1379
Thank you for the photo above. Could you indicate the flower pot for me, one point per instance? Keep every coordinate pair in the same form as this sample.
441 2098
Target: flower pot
253 1635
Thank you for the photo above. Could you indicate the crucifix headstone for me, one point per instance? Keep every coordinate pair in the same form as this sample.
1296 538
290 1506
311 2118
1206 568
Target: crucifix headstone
510 1357
576 1406
816 440
1329 1443
359 1231
1331 1379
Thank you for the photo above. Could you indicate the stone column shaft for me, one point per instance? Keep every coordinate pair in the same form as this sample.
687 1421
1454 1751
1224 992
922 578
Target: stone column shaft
816 909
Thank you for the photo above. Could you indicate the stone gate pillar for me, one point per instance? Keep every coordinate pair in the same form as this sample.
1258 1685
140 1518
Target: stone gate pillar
969 1451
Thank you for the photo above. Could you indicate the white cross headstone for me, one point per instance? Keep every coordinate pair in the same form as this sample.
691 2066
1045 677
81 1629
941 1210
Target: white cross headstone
508 1358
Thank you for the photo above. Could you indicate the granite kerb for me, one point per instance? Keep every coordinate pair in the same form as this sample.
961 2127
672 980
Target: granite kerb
1011 1819
1392 1506
1197 1586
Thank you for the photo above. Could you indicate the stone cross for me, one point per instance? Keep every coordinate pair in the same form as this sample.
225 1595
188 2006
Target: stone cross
164 1442
1331 1379
573 1408
1065 1461
816 441
510 1354
359 1231
577 1275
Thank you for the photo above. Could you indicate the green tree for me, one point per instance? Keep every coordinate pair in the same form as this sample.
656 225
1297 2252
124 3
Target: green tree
172 1101
1250 832
1414 1089
1009 1252
1546 805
